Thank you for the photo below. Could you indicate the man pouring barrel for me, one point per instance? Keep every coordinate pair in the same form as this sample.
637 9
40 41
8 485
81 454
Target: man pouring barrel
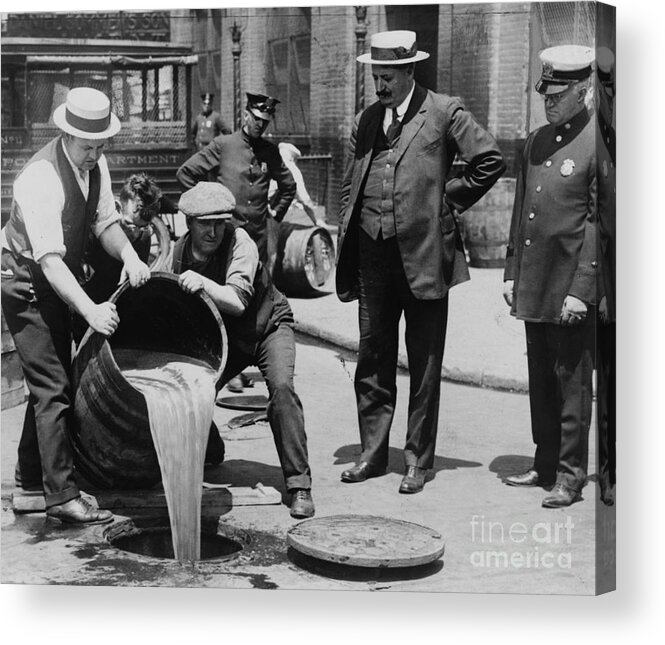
215 257
61 196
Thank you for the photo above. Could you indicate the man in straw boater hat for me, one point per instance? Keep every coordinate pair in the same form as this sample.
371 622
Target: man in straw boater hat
400 248
222 260
551 272
61 196
245 163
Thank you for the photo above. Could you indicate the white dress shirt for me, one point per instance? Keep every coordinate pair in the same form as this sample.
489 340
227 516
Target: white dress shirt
40 196
401 110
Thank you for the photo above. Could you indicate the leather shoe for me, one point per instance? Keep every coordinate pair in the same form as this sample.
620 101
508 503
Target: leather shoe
302 504
606 492
360 472
561 496
246 380
413 480
529 478
79 511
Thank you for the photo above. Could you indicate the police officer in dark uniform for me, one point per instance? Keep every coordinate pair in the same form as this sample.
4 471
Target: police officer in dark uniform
606 329
208 124
550 275
245 163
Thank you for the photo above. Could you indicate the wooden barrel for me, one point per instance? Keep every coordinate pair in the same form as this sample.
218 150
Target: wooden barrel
13 387
487 226
305 258
113 447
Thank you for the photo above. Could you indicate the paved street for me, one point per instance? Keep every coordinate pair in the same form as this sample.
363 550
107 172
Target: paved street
484 434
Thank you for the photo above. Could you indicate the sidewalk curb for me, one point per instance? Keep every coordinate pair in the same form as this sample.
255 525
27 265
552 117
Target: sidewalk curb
477 378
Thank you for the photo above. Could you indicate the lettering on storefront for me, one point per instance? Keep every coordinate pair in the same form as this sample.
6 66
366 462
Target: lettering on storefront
157 160
120 25
13 139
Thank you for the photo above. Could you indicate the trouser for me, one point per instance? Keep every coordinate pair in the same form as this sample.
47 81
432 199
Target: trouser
384 295
606 402
560 363
40 324
275 356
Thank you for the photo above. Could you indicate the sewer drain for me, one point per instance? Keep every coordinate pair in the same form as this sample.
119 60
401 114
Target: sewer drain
156 541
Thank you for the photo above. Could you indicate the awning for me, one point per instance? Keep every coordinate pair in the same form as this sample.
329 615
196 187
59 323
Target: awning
115 61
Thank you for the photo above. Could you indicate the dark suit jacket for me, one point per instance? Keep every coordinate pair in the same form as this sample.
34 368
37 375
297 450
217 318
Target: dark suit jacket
435 128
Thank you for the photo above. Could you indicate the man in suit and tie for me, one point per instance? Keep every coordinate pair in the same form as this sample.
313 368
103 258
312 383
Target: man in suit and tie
400 248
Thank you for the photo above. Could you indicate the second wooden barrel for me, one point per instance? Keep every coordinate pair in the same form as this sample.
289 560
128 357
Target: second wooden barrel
305 258
113 446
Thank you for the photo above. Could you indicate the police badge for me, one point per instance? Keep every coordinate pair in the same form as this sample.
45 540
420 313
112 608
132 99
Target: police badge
567 167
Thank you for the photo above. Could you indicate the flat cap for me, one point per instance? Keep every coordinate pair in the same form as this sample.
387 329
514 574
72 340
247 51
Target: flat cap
208 200
562 66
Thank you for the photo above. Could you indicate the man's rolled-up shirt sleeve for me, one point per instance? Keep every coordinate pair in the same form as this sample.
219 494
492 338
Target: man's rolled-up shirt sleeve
242 266
106 210
40 198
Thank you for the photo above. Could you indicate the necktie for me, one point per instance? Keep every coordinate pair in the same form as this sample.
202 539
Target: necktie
394 128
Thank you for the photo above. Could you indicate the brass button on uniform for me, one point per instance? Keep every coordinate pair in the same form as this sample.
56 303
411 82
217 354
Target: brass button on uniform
527 243
538 188
558 138
548 163
532 215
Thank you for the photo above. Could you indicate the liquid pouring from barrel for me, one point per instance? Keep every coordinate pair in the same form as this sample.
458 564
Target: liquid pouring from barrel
113 440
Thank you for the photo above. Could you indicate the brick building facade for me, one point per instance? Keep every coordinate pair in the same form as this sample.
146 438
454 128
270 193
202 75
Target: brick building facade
484 53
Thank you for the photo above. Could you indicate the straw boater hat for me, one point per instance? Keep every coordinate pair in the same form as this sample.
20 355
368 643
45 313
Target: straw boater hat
393 48
562 66
87 114
208 200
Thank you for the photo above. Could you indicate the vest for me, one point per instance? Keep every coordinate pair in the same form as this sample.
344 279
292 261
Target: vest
267 309
377 213
78 214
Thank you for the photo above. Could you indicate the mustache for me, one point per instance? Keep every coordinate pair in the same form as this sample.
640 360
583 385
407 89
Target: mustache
383 94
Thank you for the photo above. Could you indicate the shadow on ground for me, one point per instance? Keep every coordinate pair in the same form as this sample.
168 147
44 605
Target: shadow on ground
338 571
350 454
242 472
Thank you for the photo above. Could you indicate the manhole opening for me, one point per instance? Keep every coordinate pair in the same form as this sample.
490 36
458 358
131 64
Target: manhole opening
156 542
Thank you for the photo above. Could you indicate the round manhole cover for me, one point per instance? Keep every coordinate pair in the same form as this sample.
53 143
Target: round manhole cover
366 541
254 402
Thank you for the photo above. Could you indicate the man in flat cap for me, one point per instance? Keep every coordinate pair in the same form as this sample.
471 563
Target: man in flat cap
208 124
245 163
551 271
400 248
222 260
61 198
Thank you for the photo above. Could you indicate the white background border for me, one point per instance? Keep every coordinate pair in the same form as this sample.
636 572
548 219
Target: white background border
33 614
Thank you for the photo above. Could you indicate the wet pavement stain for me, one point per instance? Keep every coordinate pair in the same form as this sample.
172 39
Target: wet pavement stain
105 564
257 580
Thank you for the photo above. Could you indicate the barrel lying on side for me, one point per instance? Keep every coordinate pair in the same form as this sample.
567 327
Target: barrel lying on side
113 446
305 258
